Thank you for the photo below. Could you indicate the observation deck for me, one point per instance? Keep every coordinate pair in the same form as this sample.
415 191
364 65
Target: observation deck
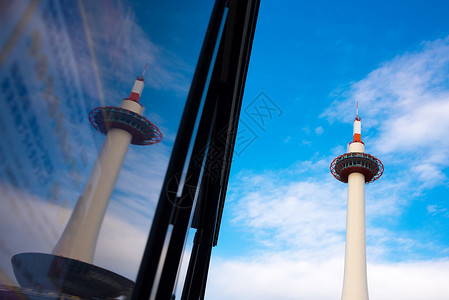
364 163
142 130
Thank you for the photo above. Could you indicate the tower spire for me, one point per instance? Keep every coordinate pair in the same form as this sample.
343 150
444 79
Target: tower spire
357 128
143 73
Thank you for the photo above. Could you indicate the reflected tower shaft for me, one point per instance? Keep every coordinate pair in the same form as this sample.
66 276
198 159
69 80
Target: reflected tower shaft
80 235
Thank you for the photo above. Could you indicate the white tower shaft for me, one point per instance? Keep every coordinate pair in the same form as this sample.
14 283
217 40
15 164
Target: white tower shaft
79 238
355 286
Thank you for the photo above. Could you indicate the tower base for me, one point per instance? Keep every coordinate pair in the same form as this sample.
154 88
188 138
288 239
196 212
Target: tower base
68 276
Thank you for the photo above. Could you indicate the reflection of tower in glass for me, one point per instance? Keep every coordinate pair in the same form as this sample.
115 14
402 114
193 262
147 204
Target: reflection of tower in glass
356 168
69 269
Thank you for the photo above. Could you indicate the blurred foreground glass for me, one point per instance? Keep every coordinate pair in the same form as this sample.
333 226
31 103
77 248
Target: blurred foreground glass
58 61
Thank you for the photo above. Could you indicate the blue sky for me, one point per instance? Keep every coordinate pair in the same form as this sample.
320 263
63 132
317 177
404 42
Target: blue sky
283 232
282 235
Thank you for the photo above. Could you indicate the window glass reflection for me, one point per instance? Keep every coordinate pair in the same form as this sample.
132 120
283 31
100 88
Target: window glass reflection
59 60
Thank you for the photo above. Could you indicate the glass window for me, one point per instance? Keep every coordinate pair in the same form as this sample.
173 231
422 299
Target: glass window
59 60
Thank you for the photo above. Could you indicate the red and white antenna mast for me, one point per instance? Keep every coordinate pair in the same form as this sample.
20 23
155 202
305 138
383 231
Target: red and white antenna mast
138 87
143 73
357 128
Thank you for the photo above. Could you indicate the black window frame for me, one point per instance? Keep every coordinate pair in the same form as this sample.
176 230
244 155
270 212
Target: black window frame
195 184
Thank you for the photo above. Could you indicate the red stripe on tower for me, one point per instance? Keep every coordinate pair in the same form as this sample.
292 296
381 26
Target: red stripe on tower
134 97
357 132
136 91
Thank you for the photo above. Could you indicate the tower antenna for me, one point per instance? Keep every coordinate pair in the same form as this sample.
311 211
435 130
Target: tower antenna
144 69
140 78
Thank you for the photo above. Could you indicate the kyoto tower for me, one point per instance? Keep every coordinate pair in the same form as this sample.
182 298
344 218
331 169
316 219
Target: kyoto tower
356 168
69 268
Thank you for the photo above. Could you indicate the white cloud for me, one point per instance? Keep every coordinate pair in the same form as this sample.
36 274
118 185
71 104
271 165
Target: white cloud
120 245
306 142
435 210
299 227
404 106
410 280
274 277
308 215
37 225
167 71
283 276
140 181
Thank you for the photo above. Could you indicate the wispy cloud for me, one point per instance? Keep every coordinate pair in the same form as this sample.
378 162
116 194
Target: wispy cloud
404 105
294 214
435 210
168 71
308 215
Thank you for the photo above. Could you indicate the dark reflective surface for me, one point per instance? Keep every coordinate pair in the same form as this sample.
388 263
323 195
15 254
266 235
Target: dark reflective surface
58 61
68 276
